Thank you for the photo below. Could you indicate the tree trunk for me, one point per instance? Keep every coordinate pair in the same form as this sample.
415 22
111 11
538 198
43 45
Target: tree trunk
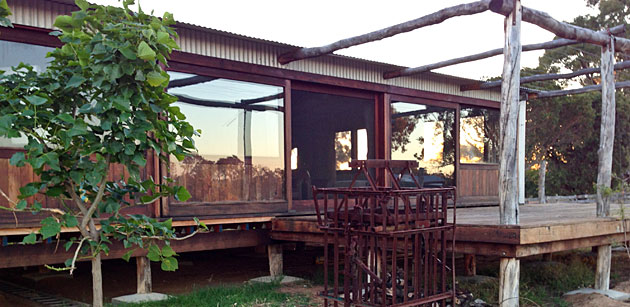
97 282
542 171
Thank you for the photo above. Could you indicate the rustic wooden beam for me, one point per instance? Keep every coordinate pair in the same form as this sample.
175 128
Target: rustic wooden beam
544 77
224 104
143 275
605 157
582 90
431 19
556 43
262 99
189 81
561 29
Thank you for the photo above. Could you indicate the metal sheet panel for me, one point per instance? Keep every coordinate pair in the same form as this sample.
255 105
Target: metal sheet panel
225 45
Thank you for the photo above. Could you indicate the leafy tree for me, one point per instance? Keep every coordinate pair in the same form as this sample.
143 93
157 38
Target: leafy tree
565 130
101 102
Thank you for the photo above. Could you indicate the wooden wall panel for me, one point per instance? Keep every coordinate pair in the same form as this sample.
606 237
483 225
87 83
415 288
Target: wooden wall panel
478 184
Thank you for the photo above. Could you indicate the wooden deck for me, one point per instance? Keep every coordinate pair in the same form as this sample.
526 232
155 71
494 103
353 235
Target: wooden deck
543 229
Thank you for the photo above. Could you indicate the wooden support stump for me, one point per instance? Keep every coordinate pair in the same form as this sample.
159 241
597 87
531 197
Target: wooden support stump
143 274
470 264
509 282
548 257
605 155
275 259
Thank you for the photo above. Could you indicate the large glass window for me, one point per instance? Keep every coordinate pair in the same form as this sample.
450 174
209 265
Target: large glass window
426 134
479 135
240 153
328 131
12 54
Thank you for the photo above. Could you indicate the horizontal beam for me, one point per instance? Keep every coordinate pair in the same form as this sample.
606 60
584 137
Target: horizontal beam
544 77
224 104
561 29
189 81
39 254
586 89
431 19
556 43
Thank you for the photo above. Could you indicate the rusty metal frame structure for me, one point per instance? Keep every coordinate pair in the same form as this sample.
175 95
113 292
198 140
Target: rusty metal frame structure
389 242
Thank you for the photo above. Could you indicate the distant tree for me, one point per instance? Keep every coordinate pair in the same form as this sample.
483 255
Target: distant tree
101 102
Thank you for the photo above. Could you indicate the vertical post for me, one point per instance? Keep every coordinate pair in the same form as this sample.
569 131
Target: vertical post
470 264
542 172
288 146
275 259
508 181
521 151
143 274
605 155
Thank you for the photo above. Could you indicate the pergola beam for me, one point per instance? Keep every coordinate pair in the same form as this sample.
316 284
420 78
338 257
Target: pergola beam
586 89
189 81
431 19
561 29
224 104
556 43
544 77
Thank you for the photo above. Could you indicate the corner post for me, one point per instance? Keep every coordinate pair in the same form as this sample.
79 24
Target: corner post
143 274
605 155
522 114
508 153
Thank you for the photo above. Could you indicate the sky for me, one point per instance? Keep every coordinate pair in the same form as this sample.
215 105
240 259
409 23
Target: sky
315 23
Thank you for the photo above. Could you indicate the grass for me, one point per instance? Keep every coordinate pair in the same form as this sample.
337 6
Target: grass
256 294
541 283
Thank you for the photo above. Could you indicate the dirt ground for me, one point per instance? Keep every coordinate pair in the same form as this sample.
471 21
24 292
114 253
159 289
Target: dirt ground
229 267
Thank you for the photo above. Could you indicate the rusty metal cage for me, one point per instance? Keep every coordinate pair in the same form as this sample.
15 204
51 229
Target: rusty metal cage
389 243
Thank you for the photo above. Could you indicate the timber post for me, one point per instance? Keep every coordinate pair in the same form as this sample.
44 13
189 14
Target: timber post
508 181
522 111
470 265
143 275
605 155
275 260
542 172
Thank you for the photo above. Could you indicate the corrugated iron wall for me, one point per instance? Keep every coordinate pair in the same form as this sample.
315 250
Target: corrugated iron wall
208 42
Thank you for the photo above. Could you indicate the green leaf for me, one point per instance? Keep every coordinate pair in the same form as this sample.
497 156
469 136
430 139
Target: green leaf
168 251
70 220
21 205
128 53
163 37
31 238
169 264
50 228
82 4
147 199
79 128
182 194
63 22
127 255
17 159
36 100
145 52
139 159
65 117
155 78
28 190
154 253
75 81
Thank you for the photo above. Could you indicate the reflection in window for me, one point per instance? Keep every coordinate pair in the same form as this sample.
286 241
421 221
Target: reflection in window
425 134
240 150
329 131
12 54
479 135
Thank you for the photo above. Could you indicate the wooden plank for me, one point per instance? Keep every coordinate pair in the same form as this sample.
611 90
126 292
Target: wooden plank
559 246
491 234
225 210
562 232
39 254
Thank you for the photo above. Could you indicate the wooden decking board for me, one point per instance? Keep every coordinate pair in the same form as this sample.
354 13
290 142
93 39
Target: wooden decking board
543 229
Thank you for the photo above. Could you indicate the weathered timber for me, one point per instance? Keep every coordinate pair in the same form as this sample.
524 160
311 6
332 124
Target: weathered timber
522 111
582 90
470 264
556 43
604 153
431 19
509 271
508 181
561 29
544 77
542 171
143 275
275 259
607 130
602 271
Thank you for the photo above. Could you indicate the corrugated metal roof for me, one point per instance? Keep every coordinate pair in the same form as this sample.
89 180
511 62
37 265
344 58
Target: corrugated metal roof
226 45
